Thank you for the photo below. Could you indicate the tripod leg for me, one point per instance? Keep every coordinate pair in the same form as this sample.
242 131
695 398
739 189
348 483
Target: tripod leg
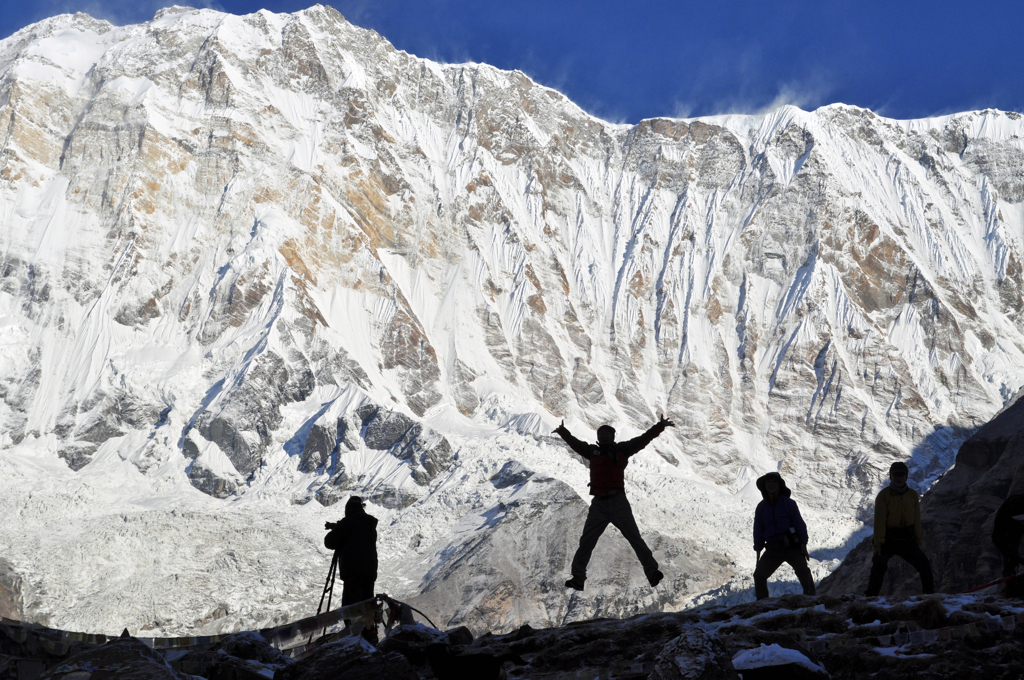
328 588
330 592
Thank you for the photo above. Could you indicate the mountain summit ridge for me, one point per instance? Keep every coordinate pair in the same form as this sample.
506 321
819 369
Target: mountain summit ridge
276 257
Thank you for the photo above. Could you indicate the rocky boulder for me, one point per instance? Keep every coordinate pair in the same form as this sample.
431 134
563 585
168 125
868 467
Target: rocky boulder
411 641
796 636
352 658
694 655
130 659
242 656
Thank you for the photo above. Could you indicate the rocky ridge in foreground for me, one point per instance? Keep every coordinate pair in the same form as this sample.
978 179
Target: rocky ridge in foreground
803 637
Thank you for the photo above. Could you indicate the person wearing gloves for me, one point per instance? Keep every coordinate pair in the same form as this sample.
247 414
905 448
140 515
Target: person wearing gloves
898 531
780 531
608 460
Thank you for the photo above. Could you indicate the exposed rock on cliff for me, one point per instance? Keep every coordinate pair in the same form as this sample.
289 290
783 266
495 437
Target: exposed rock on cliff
257 207
10 592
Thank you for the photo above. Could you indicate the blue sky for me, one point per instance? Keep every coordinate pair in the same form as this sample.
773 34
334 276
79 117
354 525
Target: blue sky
625 61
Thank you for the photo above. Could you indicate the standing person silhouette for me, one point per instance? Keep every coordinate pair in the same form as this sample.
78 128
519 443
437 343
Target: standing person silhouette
898 531
608 460
354 539
781 532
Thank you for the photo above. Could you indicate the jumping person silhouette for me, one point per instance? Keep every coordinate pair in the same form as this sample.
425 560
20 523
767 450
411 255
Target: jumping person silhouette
608 461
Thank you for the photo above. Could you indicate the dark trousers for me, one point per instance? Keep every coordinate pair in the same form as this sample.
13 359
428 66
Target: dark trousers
910 551
604 510
357 590
774 556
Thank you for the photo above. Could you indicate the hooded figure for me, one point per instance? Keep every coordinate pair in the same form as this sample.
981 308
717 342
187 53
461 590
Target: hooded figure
780 531
354 539
898 531
608 460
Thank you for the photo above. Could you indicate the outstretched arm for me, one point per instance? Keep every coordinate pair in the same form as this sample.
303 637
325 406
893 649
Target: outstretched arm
580 447
638 443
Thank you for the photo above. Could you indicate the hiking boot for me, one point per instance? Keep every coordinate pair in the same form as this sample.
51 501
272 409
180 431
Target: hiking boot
576 583
654 578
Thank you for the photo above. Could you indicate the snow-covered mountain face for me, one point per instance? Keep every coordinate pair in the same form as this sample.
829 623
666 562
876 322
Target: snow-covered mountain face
272 259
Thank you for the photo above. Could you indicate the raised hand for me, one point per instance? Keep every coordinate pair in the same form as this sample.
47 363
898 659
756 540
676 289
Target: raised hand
665 422
560 428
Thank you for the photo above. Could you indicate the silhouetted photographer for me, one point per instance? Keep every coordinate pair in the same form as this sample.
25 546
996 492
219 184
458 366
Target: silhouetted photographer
354 542
608 461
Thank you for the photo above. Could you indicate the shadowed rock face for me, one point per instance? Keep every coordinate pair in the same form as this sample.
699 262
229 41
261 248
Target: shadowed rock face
251 410
320 444
426 452
349 657
957 516
134 661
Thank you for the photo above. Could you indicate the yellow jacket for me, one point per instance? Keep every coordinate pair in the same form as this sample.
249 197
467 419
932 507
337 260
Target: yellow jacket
897 510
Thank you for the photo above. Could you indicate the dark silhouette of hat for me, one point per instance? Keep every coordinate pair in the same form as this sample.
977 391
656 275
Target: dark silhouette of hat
763 479
899 466
354 505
